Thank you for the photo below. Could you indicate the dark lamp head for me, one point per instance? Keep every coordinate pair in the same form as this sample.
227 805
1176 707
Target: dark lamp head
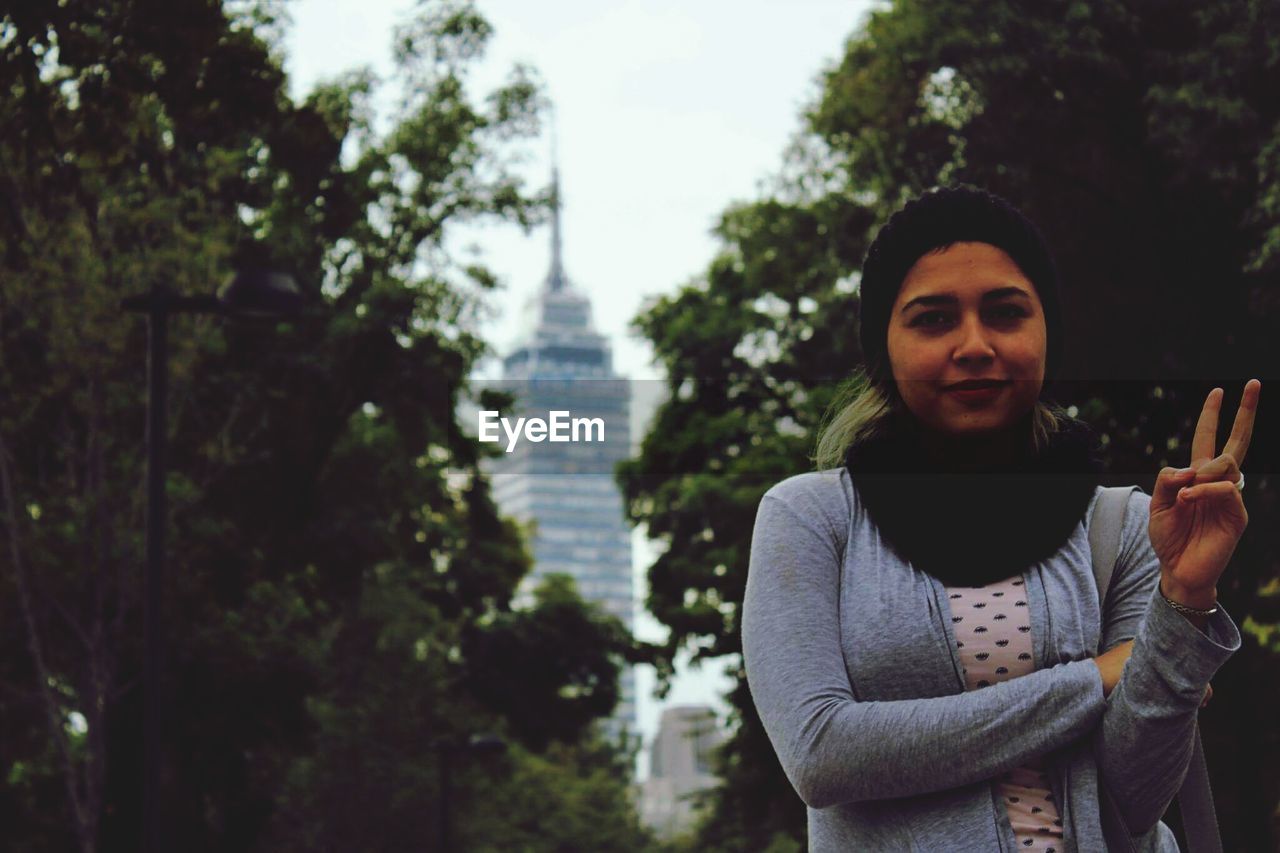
256 292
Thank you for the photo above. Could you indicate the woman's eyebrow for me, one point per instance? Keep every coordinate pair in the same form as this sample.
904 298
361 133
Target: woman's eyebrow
950 299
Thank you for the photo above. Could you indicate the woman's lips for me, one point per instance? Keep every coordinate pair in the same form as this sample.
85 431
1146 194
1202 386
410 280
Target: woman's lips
980 394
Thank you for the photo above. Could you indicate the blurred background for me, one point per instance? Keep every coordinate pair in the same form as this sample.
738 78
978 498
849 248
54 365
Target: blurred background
368 629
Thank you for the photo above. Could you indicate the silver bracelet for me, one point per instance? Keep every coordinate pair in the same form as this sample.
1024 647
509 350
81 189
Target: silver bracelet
1182 608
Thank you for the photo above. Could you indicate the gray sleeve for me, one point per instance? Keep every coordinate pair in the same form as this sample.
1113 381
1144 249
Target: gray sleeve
1144 744
835 749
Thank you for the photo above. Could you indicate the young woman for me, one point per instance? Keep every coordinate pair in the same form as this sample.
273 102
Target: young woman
921 629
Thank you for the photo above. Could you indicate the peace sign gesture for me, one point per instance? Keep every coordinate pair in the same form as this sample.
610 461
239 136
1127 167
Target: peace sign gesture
1197 513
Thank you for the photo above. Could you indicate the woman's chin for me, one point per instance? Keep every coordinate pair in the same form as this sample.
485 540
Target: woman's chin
975 424
970 423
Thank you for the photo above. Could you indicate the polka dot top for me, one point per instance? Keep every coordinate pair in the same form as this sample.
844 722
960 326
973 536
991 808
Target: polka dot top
993 638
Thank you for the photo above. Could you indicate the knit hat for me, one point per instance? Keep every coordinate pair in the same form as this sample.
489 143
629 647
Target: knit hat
937 219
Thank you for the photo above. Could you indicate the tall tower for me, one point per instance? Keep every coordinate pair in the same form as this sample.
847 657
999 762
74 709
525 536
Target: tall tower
561 363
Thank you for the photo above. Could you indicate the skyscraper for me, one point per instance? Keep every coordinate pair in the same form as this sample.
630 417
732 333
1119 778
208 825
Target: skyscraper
561 363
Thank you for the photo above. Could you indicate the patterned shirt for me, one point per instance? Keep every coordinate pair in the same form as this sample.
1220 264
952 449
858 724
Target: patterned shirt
993 639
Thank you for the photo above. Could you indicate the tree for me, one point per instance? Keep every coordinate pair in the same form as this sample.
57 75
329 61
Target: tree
372 780
335 553
1142 141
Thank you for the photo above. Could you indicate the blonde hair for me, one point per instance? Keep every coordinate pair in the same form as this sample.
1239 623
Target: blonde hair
860 409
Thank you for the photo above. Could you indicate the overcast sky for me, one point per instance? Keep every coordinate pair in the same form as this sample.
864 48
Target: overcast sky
666 112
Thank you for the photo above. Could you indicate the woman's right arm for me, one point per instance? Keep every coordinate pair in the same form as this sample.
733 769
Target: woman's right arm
835 749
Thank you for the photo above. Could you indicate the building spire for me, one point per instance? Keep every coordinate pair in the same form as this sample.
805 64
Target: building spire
555 276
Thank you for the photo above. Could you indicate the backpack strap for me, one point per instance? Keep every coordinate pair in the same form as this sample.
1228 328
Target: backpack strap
1195 800
1195 797
1104 538
1105 526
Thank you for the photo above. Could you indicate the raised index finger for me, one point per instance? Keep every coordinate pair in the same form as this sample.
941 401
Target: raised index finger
1242 429
1206 435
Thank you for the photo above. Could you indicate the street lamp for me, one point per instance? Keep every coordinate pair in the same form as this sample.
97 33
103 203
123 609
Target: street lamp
249 293
446 747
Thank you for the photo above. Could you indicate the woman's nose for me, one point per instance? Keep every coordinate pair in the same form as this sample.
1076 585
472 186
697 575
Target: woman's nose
973 342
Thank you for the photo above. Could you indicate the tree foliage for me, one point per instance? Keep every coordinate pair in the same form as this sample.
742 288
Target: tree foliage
339 580
1142 138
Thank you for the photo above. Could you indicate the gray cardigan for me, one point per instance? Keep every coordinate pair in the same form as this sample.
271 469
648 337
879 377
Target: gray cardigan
852 666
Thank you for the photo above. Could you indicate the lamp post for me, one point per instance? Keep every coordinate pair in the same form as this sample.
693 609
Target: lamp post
446 747
251 293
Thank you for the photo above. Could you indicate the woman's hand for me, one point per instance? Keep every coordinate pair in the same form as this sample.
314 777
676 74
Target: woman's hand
1197 514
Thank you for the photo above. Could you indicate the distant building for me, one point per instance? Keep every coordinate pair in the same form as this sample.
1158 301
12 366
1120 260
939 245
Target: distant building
679 767
567 489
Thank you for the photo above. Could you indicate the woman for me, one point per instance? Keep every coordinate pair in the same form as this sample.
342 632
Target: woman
921 628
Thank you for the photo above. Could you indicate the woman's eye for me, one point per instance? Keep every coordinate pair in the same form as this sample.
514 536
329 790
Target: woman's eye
1009 312
928 318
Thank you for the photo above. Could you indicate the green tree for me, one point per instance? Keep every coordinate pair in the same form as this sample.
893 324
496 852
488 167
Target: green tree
1142 139
373 780
588 810
335 554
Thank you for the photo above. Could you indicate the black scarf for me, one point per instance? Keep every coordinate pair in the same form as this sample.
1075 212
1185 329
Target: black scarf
974 528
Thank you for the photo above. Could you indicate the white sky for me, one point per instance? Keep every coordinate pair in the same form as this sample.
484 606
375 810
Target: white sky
665 112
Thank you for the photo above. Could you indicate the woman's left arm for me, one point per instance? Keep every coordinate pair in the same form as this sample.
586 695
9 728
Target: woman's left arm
1192 522
1143 746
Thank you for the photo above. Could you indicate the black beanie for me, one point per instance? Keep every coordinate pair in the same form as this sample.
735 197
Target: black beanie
939 218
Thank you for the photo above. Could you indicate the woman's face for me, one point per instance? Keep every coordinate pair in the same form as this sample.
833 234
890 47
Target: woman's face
967 313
